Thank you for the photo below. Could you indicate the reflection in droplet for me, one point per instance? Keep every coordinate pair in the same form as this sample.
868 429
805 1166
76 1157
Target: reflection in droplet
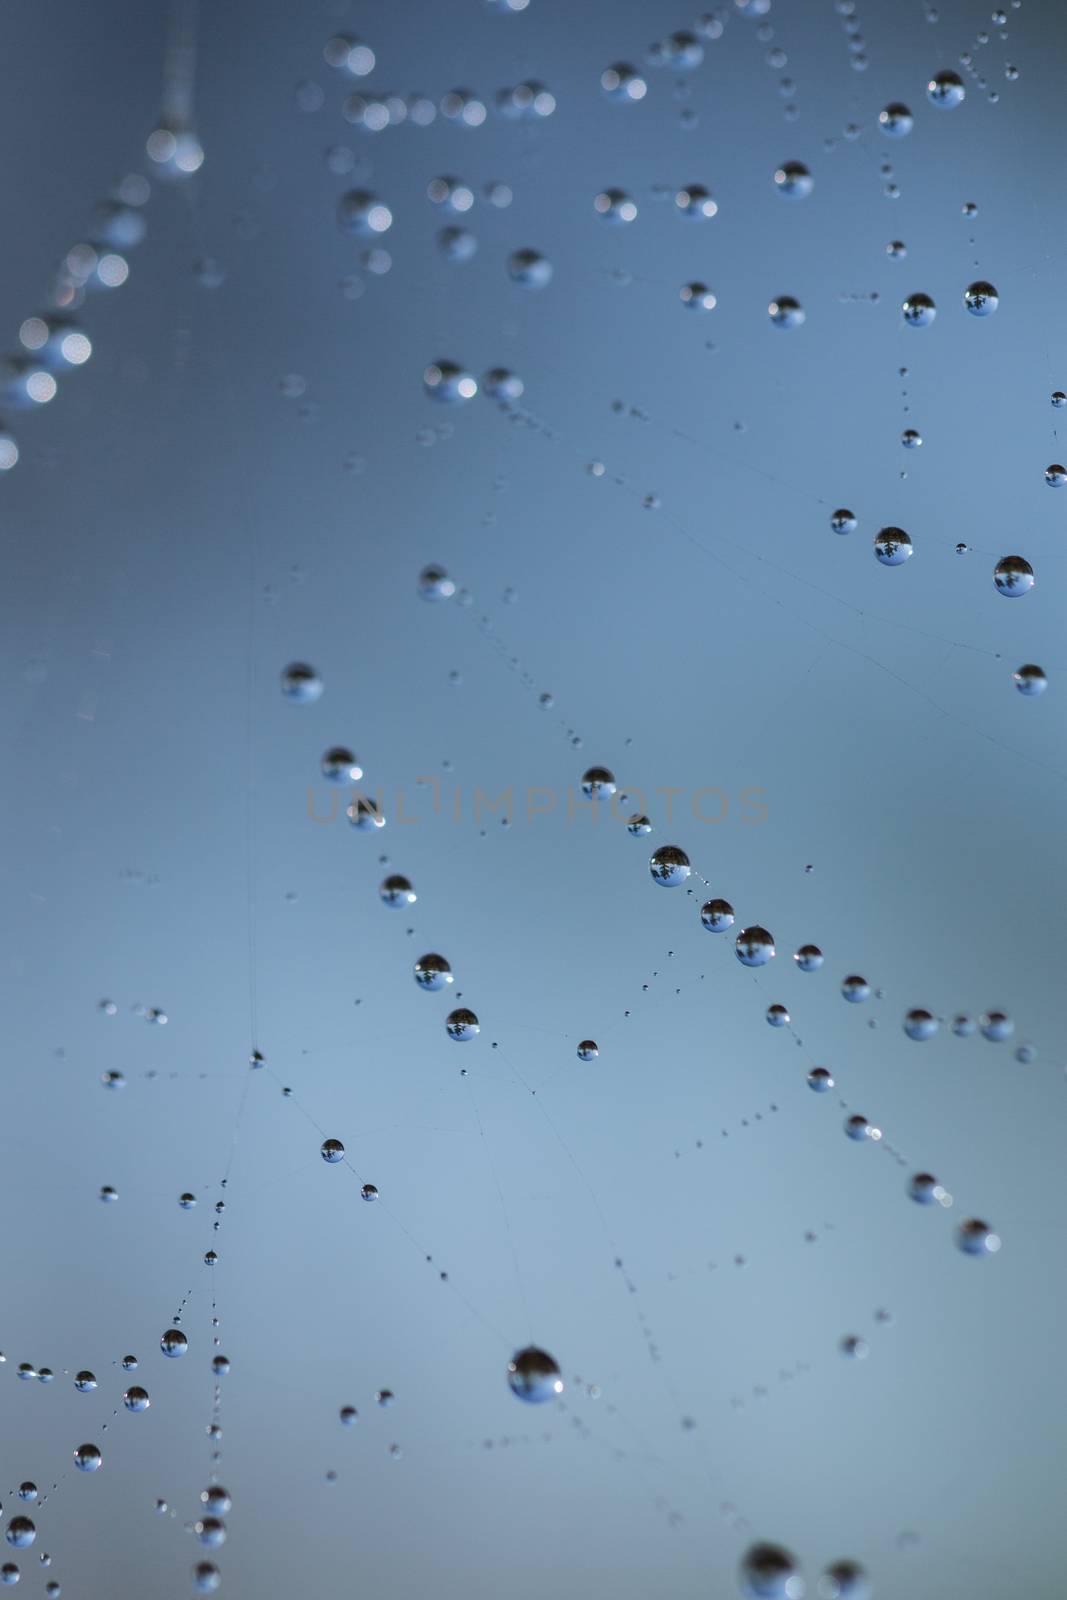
669 866
534 1376
768 1572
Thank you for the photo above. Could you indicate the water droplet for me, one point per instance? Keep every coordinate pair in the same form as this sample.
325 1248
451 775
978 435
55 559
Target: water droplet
1030 680
945 89
301 683
919 310
462 1024
920 1024
332 1151
768 1572
432 972
892 546
529 269
669 866
450 384
396 891
717 915
1013 576
534 1376
977 1238
896 120
981 299
785 312
754 947
339 765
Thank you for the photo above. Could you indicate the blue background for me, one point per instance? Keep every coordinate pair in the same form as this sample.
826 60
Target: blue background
178 529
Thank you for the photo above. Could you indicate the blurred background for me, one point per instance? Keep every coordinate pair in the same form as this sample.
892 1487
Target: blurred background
249 471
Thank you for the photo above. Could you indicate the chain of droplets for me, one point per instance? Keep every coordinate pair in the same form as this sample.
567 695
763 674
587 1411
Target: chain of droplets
53 343
870 1131
850 1344
369 1192
439 579
967 58
852 29
373 111
777 60
651 501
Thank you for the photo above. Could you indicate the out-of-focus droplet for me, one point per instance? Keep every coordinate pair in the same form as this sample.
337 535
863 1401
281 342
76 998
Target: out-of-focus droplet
301 683
1030 679
920 1024
793 180
534 1376
845 1580
435 584
448 383
768 1572
339 765
925 1190
501 384
945 89
976 1238
820 1079
396 891
623 83
529 269
778 1016
697 297
785 312
996 1026
855 988
695 202
896 120
363 813
615 205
